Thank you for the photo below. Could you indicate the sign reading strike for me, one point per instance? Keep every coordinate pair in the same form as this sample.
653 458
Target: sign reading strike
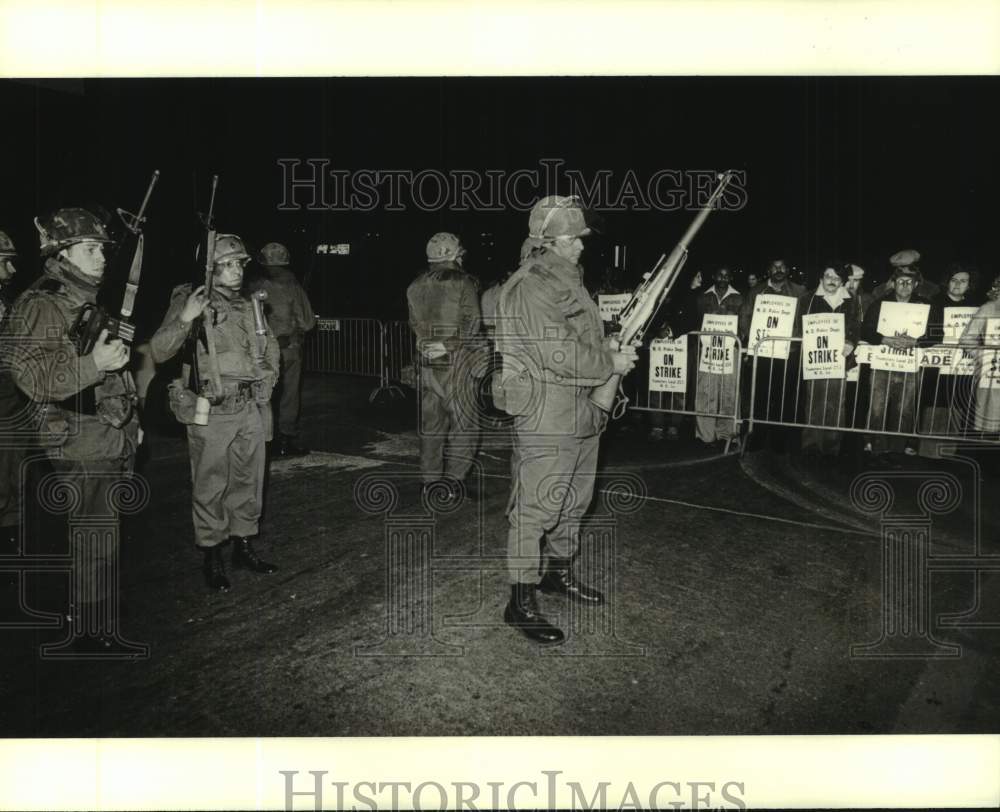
822 346
611 304
956 319
668 365
898 319
717 354
773 316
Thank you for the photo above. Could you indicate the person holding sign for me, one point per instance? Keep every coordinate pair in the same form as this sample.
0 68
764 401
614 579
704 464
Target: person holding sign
715 397
829 336
941 395
983 334
773 379
894 369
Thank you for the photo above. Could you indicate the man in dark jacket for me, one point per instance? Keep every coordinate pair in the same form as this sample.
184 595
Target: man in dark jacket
445 316
290 316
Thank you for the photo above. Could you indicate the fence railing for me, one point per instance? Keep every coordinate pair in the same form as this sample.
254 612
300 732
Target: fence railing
361 347
734 391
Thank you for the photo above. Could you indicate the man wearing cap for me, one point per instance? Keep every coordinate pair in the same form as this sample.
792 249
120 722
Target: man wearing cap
228 454
893 394
445 316
291 317
909 260
550 334
86 417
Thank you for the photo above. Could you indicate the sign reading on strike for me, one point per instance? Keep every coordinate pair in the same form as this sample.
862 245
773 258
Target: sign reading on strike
717 354
611 304
898 319
773 316
668 365
822 346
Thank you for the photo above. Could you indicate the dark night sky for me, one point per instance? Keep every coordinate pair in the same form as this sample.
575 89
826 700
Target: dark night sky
848 168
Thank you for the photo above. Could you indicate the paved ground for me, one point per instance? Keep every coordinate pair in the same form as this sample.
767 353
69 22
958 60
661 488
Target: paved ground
739 587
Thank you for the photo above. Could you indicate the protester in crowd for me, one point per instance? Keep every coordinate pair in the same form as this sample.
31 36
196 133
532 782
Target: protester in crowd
985 344
893 393
716 391
822 402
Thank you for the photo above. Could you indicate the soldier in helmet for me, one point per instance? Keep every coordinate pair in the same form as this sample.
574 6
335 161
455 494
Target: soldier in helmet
87 421
228 454
445 316
550 334
291 317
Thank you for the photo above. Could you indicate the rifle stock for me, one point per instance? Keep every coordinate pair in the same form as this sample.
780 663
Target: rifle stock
641 309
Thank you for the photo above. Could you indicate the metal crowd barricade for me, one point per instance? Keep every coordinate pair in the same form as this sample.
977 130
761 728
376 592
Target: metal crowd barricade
362 347
702 397
929 403
348 346
399 350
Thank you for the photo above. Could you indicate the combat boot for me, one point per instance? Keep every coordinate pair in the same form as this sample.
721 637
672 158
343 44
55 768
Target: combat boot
215 569
523 614
559 580
244 557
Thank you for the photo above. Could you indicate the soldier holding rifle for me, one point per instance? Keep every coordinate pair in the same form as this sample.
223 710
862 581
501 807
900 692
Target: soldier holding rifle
230 373
87 421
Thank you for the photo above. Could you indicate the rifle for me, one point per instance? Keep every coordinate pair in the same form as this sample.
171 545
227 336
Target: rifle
200 330
641 309
257 299
93 318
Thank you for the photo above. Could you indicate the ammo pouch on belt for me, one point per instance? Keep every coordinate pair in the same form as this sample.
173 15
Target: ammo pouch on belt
237 395
114 410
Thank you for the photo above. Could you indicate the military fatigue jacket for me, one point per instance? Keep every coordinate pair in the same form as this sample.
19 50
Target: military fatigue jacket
235 340
88 414
551 336
289 312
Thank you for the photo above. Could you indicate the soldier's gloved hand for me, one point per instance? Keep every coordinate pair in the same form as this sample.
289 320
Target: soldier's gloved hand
109 355
624 360
195 305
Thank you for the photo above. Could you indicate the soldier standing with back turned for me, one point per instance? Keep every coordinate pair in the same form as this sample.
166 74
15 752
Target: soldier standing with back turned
291 317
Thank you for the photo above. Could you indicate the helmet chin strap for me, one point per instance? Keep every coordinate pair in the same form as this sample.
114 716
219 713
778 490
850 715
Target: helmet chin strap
72 273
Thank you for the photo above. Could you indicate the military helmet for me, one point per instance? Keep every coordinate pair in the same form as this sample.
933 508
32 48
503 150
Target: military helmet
6 246
556 216
229 246
274 253
443 247
67 227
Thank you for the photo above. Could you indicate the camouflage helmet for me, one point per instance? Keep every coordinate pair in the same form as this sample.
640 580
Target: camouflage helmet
443 247
6 246
229 246
556 216
274 253
67 227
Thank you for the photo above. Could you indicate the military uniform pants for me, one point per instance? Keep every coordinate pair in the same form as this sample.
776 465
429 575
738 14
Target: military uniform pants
553 485
449 433
290 382
228 458
95 554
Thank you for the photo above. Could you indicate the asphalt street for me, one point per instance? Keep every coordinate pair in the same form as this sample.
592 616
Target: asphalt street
742 591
